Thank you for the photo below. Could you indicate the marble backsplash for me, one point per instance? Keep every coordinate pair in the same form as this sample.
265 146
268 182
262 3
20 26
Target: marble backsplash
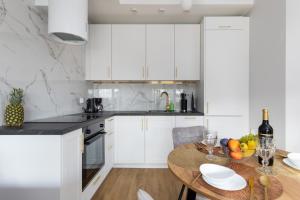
141 97
51 74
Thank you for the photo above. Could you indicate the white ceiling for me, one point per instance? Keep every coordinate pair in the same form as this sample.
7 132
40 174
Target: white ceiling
112 11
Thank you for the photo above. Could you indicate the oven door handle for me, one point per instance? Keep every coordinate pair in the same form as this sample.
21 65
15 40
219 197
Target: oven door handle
94 138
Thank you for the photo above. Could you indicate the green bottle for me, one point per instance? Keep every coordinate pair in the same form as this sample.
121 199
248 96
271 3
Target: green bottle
171 106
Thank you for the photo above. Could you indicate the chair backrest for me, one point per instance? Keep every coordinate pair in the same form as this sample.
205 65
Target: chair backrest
187 135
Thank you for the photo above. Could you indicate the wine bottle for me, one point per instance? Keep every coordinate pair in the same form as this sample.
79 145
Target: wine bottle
265 131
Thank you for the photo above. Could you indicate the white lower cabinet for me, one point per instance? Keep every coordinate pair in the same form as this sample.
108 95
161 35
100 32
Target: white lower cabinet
158 138
44 167
228 127
109 144
71 174
129 140
146 141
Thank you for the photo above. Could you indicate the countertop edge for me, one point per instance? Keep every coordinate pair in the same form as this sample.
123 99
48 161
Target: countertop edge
74 126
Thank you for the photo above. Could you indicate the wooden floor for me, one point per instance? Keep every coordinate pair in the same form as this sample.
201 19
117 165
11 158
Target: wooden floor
123 184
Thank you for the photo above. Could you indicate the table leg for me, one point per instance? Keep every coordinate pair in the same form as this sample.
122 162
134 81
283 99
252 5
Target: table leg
191 194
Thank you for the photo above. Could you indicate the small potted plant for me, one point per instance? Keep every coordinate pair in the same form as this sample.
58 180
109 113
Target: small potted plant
14 111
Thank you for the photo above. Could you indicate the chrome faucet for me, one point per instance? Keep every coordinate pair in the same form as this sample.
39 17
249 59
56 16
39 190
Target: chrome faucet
167 100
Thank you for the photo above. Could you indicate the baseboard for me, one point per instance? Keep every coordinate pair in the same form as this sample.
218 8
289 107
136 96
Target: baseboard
163 166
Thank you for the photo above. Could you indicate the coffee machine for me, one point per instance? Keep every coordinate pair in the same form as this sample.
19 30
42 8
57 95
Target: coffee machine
93 105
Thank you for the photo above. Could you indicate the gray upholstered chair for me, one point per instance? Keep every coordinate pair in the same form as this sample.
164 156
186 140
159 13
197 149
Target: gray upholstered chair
185 136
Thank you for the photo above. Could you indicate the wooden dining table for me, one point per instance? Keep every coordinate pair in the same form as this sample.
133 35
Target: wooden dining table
184 162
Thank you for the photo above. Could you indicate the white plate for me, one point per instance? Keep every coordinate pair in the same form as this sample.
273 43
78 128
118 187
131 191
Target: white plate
236 182
294 158
290 163
216 172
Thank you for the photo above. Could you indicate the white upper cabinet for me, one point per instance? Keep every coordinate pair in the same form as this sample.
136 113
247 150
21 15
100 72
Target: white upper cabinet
187 52
98 53
160 52
136 52
128 52
226 65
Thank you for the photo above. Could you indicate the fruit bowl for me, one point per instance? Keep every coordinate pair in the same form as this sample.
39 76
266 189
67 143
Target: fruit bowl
241 149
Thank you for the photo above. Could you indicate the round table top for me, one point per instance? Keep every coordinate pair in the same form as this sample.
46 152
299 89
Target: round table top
184 162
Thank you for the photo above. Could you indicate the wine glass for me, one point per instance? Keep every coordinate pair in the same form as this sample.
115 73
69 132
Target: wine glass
210 139
266 150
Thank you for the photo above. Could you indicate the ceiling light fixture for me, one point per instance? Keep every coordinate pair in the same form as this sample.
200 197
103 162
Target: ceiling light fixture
186 5
133 10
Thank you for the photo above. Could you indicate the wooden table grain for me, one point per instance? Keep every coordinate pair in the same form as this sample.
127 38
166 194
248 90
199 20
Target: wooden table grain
184 168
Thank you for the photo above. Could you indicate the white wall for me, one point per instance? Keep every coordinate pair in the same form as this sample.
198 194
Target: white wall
292 75
51 74
267 65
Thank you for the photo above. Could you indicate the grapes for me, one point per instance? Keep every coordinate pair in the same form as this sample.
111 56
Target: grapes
249 137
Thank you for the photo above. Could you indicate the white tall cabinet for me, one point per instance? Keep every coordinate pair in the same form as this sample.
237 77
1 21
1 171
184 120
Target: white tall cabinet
225 74
128 52
187 51
160 52
98 53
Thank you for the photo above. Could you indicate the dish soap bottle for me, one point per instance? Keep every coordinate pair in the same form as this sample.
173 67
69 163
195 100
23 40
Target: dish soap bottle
171 106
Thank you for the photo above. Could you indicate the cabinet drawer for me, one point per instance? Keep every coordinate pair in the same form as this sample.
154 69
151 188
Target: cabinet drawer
226 23
188 121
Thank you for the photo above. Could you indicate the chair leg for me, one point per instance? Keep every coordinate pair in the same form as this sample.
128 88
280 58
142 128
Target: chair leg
181 192
191 195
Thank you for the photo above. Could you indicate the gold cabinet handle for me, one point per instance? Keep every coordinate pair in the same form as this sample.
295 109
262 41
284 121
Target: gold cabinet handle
190 118
82 143
110 69
143 72
207 105
224 26
176 72
142 124
107 72
147 73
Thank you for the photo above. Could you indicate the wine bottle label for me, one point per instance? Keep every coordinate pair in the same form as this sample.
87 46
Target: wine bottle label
265 135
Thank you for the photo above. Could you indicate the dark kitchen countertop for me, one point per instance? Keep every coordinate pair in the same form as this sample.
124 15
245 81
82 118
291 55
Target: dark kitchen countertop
60 128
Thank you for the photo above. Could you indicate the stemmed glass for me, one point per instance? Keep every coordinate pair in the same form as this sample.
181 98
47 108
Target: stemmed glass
266 150
210 139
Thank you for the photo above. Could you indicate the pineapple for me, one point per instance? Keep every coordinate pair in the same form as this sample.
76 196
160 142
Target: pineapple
14 112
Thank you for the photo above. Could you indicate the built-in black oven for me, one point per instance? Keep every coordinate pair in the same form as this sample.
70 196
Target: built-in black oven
93 157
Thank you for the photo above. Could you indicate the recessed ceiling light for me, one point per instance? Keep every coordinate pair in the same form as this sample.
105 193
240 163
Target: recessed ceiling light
133 10
186 4
161 10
